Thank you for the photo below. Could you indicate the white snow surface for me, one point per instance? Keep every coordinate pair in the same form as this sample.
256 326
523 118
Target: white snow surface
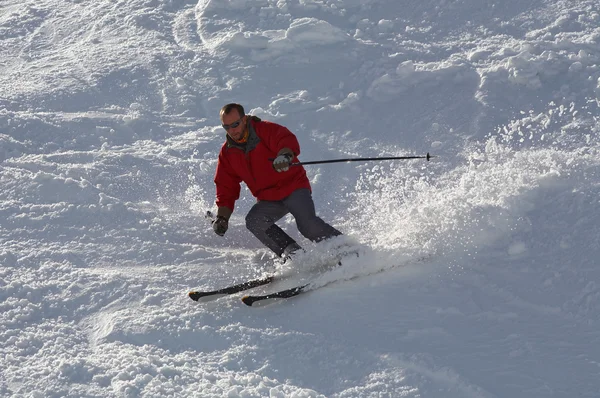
479 274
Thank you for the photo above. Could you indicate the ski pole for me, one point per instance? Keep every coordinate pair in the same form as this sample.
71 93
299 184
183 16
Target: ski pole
209 214
428 156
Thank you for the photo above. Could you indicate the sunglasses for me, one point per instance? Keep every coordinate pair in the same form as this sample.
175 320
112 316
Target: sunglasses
233 125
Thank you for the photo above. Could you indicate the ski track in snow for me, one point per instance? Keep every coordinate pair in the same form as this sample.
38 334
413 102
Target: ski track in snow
109 134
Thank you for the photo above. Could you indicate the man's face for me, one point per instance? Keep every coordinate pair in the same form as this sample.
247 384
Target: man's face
230 120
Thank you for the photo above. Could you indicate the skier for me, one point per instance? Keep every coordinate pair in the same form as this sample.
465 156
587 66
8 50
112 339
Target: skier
260 153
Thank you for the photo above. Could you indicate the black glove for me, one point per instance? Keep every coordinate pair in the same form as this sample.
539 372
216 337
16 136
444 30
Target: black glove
220 225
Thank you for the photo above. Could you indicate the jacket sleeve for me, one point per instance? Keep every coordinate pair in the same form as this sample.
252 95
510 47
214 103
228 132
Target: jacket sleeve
227 183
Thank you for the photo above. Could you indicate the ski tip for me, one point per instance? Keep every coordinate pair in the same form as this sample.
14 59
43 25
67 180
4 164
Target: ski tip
195 295
258 301
203 297
248 300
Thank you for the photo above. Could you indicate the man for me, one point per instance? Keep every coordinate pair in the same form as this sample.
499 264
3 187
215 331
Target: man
261 154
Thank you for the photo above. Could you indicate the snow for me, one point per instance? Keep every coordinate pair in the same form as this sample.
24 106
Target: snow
478 274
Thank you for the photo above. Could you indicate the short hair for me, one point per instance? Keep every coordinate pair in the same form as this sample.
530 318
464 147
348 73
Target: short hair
229 107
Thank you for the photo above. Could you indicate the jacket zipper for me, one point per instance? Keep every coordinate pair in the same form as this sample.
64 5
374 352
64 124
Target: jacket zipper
247 157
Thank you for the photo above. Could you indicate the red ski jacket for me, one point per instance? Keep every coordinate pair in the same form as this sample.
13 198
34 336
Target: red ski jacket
252 164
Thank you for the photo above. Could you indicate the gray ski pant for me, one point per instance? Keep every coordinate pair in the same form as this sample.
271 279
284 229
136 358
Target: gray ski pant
261 219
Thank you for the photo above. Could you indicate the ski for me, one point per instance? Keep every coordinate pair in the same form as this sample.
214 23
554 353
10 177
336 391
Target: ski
286 293
214 294
250 300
